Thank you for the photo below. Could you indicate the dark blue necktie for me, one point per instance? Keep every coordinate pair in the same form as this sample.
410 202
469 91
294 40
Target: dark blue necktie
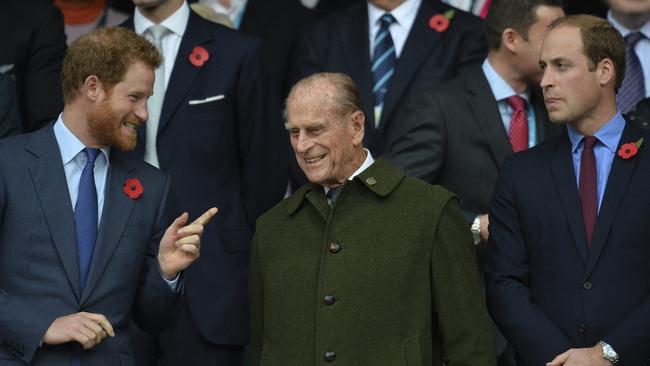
633 89
383 62
86 216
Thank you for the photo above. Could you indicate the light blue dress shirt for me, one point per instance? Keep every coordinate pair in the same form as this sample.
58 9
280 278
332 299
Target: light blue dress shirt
502 91
605 151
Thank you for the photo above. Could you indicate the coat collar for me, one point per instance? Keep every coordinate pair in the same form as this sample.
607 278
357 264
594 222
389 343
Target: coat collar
381 178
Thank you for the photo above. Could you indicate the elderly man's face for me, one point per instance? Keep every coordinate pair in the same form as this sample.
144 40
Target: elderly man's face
572 92
120 110
325 143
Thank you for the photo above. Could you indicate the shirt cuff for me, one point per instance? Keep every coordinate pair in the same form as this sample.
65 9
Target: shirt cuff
173 284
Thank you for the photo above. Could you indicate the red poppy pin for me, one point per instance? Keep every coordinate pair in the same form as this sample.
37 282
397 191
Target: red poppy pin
133 188
630 149
440 22
199 56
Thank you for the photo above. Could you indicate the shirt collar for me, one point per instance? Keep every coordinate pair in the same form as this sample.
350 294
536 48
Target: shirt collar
404 13
645 29
609 134
500 87
69 145
176 23
366 164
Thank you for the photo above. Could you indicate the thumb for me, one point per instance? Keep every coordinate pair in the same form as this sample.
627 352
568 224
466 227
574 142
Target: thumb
179 222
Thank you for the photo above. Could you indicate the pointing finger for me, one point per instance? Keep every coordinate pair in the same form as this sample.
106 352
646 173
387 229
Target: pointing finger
207 215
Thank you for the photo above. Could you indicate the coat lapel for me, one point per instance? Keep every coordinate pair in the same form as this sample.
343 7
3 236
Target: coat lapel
184 72
487 115
420 43
115 215
619 177
51 187
565 184
354 38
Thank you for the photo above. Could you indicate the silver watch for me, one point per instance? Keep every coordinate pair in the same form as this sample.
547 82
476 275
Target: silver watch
476 230
608 353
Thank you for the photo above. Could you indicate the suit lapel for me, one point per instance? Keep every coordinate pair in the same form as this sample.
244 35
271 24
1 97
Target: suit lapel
420 43
184 72
354 38
619 177
51 187
115 215
565 184
486 113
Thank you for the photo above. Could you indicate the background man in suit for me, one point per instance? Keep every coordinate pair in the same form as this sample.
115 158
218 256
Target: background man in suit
632 19
389 48
57 294
32 47
9 116
329 281
214 123
568 258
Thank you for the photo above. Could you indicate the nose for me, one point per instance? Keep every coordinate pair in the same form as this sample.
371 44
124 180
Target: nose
141 111
546 81
302 143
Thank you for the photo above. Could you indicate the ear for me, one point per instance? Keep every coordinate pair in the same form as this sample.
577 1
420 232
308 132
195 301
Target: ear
605 71
357 123
510 40
92 88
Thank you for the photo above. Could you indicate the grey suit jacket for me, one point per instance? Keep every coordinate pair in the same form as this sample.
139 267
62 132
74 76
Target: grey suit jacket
39 271
454 136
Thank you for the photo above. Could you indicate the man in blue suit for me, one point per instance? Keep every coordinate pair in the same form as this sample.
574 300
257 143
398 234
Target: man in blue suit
84 242
217 129
567 269
391 48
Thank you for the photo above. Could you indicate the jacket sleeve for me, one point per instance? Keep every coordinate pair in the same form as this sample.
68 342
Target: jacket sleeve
534 336
463 321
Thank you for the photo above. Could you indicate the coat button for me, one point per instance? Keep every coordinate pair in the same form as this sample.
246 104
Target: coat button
330 356
335 247
582 328
329 299
587 285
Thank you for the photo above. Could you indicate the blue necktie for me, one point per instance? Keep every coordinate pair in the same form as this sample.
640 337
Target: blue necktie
86 216
383 63
632 90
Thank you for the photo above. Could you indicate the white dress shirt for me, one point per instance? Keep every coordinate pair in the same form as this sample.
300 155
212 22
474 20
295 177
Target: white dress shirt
176 23
366 164
642 48
399 31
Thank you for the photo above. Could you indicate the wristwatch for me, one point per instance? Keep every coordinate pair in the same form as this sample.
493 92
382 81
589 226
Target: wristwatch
608 353
476 230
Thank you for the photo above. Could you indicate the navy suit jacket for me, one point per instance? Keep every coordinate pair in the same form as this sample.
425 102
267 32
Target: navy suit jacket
340 43
546 290
230 153
39 270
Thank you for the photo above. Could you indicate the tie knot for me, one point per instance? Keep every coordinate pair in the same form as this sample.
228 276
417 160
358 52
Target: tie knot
157 32
517 103
92 155
332 193
386 20
632 39
589 142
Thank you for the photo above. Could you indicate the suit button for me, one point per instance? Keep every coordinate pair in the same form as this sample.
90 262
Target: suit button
330 356
335 247
587 285
329 299
582 328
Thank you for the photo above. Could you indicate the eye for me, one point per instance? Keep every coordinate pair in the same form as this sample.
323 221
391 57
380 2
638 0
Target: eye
294 132
315 130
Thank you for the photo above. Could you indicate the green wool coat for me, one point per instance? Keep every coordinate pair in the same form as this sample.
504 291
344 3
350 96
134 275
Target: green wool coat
387 277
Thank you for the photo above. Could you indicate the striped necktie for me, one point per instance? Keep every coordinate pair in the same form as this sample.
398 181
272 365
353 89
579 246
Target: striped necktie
383 63
633 89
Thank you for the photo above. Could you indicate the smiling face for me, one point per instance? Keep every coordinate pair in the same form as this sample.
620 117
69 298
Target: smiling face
122 108
327 144
574 90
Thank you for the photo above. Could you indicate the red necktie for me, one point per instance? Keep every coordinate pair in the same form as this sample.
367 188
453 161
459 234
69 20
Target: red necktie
588 185
518 124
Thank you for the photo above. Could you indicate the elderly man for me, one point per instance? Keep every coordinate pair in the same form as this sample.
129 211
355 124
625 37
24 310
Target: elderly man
84 242
567 268
362 266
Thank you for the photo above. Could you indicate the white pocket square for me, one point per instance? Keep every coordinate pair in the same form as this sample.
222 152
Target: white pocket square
206 100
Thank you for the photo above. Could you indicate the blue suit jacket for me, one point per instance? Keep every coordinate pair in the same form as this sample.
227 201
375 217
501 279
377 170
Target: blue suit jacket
340 43
231 153
39 270
546 290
